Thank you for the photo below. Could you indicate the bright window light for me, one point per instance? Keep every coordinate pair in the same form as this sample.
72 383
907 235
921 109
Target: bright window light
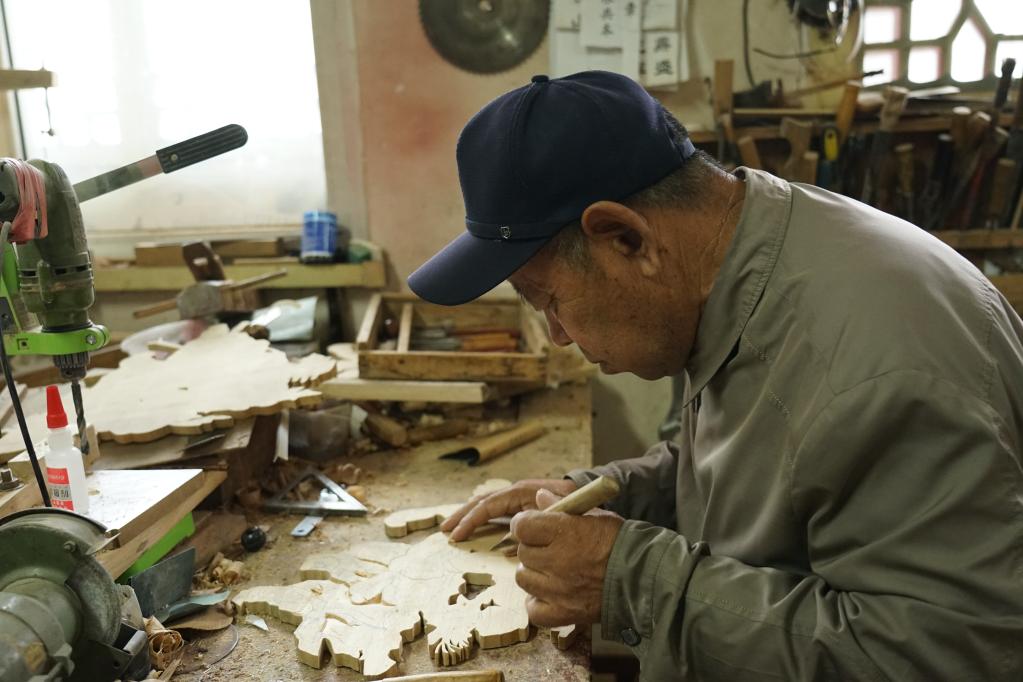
133 77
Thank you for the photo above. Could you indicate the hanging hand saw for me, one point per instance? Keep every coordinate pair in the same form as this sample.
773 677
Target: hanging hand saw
166 160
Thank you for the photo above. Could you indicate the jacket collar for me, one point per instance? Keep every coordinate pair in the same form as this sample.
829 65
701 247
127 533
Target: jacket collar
747 266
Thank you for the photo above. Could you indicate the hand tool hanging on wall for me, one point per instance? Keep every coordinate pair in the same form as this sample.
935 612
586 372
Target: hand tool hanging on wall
989 147
1014 151
1001 186
904 192
891 110
799 135
937 181
977 182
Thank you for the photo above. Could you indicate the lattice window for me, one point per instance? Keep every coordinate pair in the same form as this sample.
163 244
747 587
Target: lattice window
941 42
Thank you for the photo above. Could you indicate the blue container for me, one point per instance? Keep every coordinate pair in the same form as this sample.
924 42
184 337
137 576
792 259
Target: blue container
319 236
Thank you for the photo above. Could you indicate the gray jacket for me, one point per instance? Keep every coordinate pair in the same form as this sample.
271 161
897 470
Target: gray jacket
846 501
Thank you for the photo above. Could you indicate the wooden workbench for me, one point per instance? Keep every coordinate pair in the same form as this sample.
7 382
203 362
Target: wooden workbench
416 478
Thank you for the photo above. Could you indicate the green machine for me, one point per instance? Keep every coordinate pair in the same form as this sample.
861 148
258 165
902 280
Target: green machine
61 615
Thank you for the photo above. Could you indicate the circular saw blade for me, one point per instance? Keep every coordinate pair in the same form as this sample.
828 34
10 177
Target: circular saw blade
485 36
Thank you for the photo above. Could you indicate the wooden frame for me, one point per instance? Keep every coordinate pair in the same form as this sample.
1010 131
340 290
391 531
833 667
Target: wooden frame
530 364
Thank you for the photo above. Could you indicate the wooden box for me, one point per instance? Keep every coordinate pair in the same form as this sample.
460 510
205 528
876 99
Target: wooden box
529 362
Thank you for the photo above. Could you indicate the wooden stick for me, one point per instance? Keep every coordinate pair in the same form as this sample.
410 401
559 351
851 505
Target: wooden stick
447 429
847 109
255 279
454 676
405 328
577 503
386 429
156 308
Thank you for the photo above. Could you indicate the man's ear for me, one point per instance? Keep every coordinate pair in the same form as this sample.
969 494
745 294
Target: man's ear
626 232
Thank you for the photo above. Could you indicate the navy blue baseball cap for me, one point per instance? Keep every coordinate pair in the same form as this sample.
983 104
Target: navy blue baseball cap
533 160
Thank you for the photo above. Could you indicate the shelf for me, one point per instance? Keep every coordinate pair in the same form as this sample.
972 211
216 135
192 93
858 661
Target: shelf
971 240
369 274
920 124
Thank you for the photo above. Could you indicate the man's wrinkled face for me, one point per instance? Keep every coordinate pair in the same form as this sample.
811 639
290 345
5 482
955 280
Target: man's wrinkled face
607 313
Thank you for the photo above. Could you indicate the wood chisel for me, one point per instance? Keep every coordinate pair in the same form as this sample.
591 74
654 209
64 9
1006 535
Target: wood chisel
491 446
590 496
937 181
166 160
989 148
891 110
977 182
904 192
1014 151
998 199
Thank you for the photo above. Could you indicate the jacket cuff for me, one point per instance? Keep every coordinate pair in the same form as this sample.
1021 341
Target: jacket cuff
581 476
627 610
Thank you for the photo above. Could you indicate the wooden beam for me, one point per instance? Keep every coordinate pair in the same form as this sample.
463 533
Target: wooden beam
405 328
473 392
173 278
24 79
452 365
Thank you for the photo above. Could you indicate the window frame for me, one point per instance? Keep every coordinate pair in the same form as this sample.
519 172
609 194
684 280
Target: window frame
903 44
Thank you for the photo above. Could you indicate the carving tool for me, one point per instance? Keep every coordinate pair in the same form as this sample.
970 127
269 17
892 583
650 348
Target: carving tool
989 148
1014 151
894 104
847 110
937 181
827 166
1001 186
489 447
904 193
977 183
577 503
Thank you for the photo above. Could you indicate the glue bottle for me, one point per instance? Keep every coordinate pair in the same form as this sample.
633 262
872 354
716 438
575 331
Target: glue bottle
65 469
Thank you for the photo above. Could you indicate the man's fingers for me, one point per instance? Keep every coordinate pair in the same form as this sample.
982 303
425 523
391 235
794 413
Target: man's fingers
542 559
545 498
500 503
459 514
545 614
536 528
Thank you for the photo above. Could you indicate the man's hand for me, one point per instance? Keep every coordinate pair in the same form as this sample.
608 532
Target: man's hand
564 559
505 502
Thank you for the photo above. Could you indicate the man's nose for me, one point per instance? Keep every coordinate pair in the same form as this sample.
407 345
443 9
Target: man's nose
558 333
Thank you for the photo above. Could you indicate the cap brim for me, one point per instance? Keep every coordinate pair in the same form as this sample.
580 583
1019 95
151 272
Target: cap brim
469 267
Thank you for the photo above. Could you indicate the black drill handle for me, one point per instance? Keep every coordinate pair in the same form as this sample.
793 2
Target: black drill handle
202 147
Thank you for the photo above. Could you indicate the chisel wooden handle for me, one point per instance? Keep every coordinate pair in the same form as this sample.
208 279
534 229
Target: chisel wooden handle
491 446
590 496
161 307
577 503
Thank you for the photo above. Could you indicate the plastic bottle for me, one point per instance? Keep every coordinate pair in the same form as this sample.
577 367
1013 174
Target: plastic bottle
65 469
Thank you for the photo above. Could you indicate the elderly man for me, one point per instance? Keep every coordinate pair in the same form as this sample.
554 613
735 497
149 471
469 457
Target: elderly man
846 501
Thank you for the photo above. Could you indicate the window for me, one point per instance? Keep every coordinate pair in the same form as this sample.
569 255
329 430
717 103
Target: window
942 42
132 77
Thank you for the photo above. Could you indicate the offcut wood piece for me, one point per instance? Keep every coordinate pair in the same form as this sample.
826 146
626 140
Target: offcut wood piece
457 676
374 363
174 278
361 605
208 384
723 86
405 521
386 429
798 135
748 152
155 254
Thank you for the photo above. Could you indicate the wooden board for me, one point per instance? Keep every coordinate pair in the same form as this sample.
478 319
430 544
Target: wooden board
177 277
145 506
208 384
359 606
405 521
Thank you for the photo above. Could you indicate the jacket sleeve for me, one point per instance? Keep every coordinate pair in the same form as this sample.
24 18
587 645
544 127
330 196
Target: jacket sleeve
647 482
912 504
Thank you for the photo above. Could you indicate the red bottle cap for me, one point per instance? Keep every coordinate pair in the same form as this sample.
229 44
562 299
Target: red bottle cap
55 416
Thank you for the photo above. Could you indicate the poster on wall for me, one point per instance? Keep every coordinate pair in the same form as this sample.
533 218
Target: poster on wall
640 39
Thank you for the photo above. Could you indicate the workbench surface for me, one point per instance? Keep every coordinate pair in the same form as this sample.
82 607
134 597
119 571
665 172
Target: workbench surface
416 478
